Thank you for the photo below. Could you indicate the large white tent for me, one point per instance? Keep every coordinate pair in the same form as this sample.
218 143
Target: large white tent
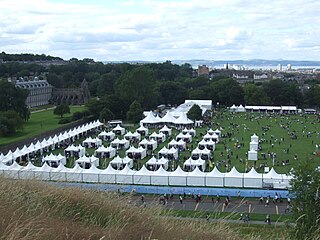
119 130
271 177
143 176
191 164
168 118
143 131
108 175
92 174
196 178
86 162
154 163
254 145
178 177
75 174
253 155
215 178
233 178
105 152
120 163
160 177
165 130
252 179
149 120
125 176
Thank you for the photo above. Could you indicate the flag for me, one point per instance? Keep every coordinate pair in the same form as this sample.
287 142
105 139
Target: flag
210 164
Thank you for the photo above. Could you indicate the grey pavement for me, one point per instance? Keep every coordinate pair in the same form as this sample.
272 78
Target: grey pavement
235 205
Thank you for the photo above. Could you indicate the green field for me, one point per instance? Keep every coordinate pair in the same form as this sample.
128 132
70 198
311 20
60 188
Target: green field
39 122
276 137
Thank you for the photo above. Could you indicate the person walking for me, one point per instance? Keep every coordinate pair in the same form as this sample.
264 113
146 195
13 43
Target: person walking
268 220
180 199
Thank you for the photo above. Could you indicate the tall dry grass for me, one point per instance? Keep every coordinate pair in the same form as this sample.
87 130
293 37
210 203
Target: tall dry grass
36 210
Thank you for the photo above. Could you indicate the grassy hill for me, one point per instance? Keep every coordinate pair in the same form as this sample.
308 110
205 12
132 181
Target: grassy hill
35 210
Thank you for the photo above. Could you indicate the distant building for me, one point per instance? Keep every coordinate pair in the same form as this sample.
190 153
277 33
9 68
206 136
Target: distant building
71 96
279 67
203 70
40 91
289 67
260 76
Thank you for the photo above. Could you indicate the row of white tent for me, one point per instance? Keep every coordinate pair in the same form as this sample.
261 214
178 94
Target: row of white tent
215 178
49 143
168 118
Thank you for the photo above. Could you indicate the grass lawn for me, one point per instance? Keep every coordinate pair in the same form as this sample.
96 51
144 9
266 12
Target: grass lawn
39 122
226 215
274 134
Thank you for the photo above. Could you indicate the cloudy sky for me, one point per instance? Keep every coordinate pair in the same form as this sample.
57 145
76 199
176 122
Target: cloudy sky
162 29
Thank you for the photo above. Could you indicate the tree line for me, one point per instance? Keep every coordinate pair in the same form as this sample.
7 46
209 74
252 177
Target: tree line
118 88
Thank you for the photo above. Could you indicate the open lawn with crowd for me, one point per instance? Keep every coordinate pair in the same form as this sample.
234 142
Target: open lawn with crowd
290 138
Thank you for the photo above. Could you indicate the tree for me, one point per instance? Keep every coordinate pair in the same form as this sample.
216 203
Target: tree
106 115
135 112
137 84
61 110
10 122
195 113
312 96
12 98
254 95
306 205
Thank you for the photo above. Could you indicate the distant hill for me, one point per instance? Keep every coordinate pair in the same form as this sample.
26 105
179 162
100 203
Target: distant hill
218 63
28 57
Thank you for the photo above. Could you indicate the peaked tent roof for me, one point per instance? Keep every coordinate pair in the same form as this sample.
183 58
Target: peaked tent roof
196 173
215 173
183 119
150 118
252 174
233 173
179 172
168 118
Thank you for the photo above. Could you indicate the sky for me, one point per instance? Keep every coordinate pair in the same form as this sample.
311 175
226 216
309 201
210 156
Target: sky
159 30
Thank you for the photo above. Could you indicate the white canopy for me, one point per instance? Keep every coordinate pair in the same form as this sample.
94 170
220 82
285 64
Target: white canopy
196 178
125 176
149 119
168 118
143 176
160 177
183 120
119 129
233 178
165 130
252 179
178 177
84 160
215 178
108 175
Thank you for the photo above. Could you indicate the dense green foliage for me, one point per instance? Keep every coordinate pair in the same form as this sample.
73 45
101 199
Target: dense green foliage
13 110
10 122
135 112
61 110
195 113
306 206
26 57
12 98
116 86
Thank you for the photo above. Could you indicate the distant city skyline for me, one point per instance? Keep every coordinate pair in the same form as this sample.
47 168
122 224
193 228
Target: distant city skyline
159 30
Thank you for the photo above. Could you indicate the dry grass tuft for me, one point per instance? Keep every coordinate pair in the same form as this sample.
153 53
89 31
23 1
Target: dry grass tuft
36 210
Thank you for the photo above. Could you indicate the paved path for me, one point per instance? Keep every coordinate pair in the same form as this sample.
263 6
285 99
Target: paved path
206 205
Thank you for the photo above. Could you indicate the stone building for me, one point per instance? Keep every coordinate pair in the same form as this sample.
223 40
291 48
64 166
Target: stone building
203 70
40 91
71 96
